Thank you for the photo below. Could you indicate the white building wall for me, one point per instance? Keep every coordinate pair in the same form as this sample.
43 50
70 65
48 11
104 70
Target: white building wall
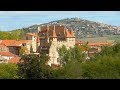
53 53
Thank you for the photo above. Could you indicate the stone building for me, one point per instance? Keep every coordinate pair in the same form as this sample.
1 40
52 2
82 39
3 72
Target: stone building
53 37
35 41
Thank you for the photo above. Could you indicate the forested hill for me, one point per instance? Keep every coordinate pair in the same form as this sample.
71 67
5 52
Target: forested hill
82 28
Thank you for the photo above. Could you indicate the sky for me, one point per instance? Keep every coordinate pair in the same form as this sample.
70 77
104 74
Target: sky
11 20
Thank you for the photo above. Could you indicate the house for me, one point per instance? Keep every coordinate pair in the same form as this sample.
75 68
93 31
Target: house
5 56
14 60
35 41
16 46
3 48
4 45
79 43
10 49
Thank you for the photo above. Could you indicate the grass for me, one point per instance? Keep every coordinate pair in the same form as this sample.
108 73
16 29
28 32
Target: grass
108 38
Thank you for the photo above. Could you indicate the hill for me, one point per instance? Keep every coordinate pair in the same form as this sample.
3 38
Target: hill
82 28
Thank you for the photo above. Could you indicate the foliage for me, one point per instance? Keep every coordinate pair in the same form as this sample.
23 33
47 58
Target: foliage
82 28
104 65
33 67
23 50
15 34
71 54
8 71
72 70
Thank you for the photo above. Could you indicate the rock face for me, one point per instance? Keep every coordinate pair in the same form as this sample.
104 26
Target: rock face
82 28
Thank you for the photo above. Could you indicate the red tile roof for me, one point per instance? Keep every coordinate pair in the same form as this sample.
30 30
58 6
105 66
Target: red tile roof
20 42
79 42
99 44
60 31
14 60
31 34
54 34
68 34
7 54
2 45
7 42
72 34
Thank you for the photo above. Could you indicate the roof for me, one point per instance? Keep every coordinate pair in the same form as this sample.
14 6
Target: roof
54 34
31 34
99 44
68 34
7 54
60 31
20 42
72 34
2 46
14 60
78 42
7 42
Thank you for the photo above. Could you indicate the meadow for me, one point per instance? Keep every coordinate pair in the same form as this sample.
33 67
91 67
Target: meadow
109 38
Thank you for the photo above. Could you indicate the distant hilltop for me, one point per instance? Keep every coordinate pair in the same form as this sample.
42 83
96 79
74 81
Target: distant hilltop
82 28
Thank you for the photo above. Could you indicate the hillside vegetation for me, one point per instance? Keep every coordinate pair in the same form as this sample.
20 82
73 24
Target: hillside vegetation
82 28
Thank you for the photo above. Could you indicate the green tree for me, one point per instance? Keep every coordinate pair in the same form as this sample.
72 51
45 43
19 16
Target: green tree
33 67
104 65
23 50
8 71
67 55
4 35
63 53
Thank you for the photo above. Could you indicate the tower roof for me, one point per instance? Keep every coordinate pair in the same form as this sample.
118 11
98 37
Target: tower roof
68 34
72 34
54 33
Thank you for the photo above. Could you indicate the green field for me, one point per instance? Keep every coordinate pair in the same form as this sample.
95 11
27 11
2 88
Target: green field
102 39
115 37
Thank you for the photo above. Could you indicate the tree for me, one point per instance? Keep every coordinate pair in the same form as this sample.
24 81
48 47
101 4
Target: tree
8 71
104 65
15 34
23 50
71 54
33 67
63 53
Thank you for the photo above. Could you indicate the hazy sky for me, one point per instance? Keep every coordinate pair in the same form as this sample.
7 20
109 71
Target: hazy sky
10 20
